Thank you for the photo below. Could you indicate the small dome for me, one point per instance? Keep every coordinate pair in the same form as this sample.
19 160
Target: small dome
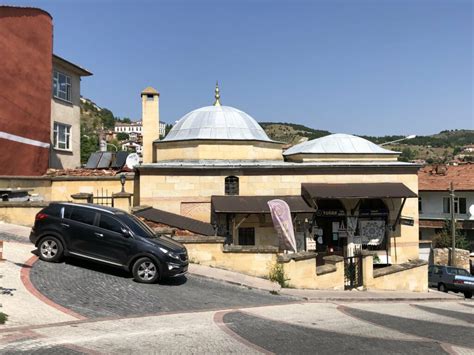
338 144
217 123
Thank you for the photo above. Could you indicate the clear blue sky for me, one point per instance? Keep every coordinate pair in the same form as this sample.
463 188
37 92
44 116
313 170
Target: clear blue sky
365 67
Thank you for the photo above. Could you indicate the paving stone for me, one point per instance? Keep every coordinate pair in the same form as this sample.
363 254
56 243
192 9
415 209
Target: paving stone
94 290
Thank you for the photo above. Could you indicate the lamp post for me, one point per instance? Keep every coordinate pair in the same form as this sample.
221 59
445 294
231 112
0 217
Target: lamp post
411 136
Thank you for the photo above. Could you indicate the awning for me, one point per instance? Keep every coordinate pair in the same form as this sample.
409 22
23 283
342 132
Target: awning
257 204
176 221
441 223
312 191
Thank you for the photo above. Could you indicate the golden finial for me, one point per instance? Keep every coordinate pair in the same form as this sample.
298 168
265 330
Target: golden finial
217 96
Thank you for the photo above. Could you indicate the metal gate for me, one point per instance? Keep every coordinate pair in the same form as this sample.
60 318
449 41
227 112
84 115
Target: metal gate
353 272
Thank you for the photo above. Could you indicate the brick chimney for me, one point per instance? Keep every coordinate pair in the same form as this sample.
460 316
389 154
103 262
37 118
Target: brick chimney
150 123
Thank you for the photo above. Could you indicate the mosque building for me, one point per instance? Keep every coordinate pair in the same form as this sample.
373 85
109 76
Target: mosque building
218 165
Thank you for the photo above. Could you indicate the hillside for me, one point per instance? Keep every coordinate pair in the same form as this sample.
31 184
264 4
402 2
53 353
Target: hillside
290 132
440 147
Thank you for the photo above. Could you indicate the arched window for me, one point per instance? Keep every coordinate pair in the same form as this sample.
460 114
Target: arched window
231 185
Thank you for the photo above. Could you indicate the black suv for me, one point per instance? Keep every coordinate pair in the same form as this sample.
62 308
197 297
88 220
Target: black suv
107 235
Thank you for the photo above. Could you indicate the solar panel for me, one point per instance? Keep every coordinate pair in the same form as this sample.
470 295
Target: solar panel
105 160
119 161
93 160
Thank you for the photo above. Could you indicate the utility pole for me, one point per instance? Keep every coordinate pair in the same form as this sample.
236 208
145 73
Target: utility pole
453 226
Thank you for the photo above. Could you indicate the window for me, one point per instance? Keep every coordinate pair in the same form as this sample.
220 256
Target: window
110 223
232 185
62 86
62 136
247 236
149 97
459 205
420 205
83 215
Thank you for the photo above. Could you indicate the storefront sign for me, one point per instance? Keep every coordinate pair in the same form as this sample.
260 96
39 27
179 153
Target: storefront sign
407 221
330 213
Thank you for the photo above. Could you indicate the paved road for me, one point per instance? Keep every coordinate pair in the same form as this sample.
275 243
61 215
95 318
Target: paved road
94 290
297 328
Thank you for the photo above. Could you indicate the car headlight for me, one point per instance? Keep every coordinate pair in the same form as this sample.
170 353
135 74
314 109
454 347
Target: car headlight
170 253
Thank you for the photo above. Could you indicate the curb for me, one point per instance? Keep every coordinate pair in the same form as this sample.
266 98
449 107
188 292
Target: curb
25 279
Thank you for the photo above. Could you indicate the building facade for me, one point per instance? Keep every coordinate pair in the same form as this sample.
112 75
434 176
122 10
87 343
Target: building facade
26 39
434 200
345 193
65 152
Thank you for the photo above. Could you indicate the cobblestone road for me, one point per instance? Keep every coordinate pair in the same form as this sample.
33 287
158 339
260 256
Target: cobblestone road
94 290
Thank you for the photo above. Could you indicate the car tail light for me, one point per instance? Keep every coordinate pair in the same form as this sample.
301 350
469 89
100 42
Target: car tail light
459 282
40 216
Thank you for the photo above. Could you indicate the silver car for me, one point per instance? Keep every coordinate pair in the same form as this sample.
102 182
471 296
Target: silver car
448 278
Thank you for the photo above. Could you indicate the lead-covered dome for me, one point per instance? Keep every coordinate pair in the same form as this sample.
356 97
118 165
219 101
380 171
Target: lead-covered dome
217 123
338 144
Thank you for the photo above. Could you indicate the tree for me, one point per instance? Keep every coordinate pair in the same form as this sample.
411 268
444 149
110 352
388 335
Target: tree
89 144
444 240
407 155
107 118
122 136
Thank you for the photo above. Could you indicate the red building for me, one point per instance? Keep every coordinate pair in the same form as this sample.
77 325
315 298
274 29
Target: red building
26 44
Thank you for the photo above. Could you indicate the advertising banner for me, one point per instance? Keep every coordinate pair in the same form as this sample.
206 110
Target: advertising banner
283 224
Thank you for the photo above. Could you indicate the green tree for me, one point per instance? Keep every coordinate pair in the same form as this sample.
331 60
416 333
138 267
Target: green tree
444 240
122 136
407 155
89 144
107 118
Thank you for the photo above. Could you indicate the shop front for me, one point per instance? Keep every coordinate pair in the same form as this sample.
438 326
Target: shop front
350 218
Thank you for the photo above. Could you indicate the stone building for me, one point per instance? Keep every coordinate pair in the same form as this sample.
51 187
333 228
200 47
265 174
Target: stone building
218 165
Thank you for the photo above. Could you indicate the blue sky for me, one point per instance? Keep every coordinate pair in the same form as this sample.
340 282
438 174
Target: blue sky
364 67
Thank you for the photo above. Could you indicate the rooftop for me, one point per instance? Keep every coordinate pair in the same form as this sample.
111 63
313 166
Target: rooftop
208 164
439 177
338 144
78 69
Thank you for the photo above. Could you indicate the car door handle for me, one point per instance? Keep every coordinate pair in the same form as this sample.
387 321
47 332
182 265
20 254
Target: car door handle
100 235
65 225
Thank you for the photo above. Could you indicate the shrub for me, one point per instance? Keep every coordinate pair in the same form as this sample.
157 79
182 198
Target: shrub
277 274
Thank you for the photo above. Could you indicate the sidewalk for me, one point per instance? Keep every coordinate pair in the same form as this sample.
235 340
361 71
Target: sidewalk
20 234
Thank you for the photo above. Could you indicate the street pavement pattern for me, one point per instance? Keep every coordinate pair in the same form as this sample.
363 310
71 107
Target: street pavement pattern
296 328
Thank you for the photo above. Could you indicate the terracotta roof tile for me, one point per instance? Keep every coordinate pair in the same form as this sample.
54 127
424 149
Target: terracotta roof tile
438 177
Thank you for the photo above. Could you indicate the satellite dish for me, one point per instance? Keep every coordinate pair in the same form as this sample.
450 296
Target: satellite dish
132 160
471 212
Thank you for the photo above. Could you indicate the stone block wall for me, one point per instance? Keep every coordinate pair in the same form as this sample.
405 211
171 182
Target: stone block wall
441 256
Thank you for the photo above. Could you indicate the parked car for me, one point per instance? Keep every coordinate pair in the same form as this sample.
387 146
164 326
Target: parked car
107 235
448 278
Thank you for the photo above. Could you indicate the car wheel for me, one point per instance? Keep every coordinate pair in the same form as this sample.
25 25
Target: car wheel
145 270
50 249
442 288
468 294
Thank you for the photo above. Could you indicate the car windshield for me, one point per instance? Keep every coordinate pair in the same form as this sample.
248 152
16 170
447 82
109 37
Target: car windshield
456 271
137 226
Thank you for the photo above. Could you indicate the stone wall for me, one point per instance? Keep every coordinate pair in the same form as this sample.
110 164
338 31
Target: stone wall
441 256
408 276
302 272
21 213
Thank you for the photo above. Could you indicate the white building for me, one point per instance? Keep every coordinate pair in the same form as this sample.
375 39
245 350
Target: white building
434 200
65 152
136 127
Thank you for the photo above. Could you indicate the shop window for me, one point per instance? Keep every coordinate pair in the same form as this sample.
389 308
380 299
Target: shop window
247 236
232 185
